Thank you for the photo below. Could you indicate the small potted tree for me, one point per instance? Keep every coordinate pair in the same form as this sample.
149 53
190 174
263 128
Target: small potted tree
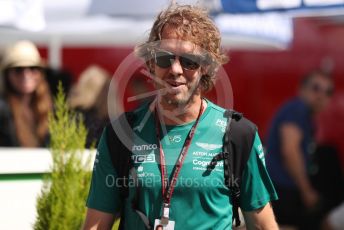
61 204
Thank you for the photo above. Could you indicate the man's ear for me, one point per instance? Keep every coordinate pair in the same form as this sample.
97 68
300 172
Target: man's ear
205 69
203 83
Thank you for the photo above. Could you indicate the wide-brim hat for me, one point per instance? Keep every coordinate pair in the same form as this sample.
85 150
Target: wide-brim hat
21 54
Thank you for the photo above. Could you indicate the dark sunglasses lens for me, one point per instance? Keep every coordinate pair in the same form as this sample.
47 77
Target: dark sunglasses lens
20 70
190 62
164 59
317 89
35 68
17 70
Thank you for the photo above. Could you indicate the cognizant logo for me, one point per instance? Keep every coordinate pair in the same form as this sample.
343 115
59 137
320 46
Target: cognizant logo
205 163
201 163
144 147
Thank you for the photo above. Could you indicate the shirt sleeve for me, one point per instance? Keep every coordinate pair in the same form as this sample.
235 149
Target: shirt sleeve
295 115
103 195
256 187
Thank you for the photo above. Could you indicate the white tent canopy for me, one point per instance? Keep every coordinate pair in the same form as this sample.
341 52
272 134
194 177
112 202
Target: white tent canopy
92 22
57 23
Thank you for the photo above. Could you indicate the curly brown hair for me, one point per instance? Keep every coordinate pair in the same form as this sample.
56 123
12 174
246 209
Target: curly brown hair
192 24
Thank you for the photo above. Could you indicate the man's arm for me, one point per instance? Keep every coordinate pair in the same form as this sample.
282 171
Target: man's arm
97 220
262 219
291 137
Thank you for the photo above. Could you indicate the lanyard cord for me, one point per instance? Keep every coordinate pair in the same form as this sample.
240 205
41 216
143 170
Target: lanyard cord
167 191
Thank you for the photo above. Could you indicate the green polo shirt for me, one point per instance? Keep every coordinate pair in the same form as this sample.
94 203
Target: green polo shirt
200 200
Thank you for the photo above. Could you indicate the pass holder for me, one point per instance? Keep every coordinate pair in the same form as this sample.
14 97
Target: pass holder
158 225
165 214
164 223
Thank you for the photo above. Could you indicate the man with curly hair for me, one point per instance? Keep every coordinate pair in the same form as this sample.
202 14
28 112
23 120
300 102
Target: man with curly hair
174 145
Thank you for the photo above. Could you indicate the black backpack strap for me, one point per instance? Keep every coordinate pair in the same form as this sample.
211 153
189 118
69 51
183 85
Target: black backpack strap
237 144
120 155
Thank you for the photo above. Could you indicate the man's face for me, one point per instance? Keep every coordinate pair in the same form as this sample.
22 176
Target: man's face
177 67
318 92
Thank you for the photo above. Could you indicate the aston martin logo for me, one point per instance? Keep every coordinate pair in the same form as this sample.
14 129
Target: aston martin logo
208 146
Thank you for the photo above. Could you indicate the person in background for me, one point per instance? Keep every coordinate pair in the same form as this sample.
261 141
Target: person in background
289 149
89 97
26 101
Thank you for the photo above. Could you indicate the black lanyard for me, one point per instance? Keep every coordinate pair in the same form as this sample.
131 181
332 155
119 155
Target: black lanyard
167 191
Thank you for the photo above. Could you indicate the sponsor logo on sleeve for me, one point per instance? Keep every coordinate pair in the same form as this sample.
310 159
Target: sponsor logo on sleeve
222 124
261 154
96 161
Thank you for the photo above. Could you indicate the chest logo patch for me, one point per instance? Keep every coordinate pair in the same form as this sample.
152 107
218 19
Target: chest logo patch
207 146
140 158
175 138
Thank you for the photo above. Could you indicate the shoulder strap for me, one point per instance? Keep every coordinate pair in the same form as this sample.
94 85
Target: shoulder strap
121 155
119 152
237 144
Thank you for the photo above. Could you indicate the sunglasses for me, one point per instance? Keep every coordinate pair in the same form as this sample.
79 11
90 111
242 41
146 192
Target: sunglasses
20 70
318 89
165 59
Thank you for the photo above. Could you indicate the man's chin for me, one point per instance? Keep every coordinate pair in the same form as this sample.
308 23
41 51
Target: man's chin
176 100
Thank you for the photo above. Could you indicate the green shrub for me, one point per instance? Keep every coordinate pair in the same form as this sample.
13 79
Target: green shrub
61 204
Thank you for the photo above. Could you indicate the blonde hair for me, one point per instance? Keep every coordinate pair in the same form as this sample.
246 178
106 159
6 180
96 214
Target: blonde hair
91 91
193 24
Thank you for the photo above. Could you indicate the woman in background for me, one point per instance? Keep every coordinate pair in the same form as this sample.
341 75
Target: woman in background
26 100
89 97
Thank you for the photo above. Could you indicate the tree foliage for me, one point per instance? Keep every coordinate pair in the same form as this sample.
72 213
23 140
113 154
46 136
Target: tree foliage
61 204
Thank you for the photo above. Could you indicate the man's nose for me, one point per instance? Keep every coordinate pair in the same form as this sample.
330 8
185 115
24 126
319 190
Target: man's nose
176 67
